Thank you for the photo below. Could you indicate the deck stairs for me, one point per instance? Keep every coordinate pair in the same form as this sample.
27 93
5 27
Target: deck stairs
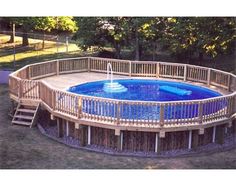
25 115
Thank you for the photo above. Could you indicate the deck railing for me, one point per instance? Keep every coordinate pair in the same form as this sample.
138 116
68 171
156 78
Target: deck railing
23 85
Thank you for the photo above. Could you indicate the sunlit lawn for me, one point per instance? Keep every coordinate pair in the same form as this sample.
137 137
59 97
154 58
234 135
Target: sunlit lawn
33 52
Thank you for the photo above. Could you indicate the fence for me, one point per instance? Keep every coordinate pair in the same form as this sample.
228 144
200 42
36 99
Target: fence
23 84
39 44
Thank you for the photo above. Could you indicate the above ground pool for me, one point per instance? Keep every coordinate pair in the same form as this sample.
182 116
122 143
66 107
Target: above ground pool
144 90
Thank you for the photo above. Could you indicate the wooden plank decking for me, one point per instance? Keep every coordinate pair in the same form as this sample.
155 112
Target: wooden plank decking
62 82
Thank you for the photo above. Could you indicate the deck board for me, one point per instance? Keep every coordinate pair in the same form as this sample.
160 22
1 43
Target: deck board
65 81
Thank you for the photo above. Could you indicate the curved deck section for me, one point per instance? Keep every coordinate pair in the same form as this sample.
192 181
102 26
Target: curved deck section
46 83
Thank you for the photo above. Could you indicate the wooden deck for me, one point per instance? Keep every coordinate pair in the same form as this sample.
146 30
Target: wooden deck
63 82
47 82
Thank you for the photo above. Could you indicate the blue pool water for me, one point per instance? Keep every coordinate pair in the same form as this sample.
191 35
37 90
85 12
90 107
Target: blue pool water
146 90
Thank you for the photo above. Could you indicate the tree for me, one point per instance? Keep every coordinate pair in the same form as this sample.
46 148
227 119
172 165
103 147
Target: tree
183 37
90 32
27 24
148 33
210 36
10 21
45 24
116 33
66 24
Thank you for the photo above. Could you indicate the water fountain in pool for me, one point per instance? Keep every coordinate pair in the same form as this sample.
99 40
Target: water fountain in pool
110 86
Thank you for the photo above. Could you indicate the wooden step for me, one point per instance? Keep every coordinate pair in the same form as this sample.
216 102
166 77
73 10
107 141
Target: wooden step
21 122
24 117
26 110
27 116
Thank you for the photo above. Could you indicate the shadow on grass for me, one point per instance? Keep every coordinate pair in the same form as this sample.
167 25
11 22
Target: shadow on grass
41 58
224 62
9 50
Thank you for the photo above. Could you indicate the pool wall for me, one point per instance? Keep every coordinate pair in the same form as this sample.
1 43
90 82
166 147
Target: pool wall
140 143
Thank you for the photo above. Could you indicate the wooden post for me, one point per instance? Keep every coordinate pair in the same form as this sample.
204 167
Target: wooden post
214 135
185 72
200 112
67 44
14 56
226 130
230 124
157 70
20 89
76 131
58 67
59 128
208 77
117 132
29 72
229 82
82 135
89 61
121 140
195 137
76 125
220 134
118 142
190 140
130 69
79 107
156 143
52 117
89 135
161 115
67 128
53 100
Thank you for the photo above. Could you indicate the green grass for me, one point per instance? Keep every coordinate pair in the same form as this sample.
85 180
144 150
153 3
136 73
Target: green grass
33 53
26 148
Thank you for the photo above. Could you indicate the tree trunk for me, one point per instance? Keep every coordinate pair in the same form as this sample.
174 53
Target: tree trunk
200 56
153 51
136 45
25 41
118 50
12 37
43 44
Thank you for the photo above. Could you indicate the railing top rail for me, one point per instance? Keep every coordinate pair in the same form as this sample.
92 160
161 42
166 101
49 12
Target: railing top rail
54 60
111 59
17 71
128 101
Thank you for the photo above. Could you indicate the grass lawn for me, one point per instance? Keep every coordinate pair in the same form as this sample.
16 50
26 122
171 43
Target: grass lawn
33 53
26 148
